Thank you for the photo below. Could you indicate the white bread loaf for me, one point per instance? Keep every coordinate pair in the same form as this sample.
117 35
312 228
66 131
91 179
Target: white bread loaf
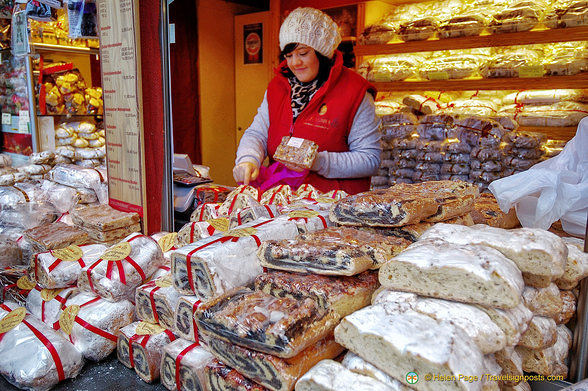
513 321
469 274
357 364
534 250
542 333
511 363
551 360
543 301
576 266
329 375
411 342
473 321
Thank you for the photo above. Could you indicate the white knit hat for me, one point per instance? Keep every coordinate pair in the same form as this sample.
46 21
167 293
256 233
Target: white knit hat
310 27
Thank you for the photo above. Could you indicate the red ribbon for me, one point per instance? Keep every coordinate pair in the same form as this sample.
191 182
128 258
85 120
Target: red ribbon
119 265
144 339
194 308
210 229
271 200
87 325
222 239
179 359
215 190
201 216
269 211
44 341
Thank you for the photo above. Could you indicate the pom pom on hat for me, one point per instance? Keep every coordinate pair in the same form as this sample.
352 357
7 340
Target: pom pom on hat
311 27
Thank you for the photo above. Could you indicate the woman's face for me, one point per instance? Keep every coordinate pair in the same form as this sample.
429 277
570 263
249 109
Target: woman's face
303 63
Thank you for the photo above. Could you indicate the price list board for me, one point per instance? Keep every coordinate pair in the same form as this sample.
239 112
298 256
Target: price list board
121 85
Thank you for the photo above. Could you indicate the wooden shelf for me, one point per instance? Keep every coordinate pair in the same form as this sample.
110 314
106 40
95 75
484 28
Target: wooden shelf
46 47
507 39
556 133
535 83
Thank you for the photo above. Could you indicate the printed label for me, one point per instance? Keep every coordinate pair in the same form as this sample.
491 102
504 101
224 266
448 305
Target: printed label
68 317
6 119
303 213
220 224
145 328
13 319
531 71
241 232
68 254
118 252
167 241
438 76
295 142
164 282
25 284
50 294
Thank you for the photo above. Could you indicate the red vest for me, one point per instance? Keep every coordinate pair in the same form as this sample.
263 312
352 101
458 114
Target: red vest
326 119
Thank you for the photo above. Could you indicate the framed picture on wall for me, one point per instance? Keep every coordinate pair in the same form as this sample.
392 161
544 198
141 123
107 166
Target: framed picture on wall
253 43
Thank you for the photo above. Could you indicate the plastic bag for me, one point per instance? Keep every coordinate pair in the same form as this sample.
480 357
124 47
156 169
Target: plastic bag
555 189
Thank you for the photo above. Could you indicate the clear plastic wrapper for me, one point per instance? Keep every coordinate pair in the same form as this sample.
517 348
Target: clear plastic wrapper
397 119
140 346
378 181
206 211
5 160
156 301
271 371
429 168
524 139
510 61
402 172
479 175
544 97
485 154
411 154
405 143
465 25
486 165
185 324
92 323
60 268
454 177
34 356
344 295
306 191
435 126
425 176
184 362
453 168
256 320
307 219
472 106
457 158
568 13
238 199
65 198
453 66
212 193
277 195
224 261
377 34
527 153
75 176
296 152
404 204
432 157
55 235
122 268
342 251
10 252
422 104
519 164
558 114
393 68
27 215
103 217
15 285
417 29
195 230
47 304
517 16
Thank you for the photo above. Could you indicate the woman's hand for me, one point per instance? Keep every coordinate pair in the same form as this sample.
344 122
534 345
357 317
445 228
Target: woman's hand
245 172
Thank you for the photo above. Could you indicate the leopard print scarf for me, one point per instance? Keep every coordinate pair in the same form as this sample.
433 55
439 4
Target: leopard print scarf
302 93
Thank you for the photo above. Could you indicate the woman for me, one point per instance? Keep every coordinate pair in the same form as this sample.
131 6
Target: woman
314 97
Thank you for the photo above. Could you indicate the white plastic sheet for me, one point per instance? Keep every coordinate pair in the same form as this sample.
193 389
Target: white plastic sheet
555 189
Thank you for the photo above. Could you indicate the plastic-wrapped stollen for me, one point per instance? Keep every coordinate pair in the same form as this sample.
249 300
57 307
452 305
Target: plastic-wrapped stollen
182 365
34 356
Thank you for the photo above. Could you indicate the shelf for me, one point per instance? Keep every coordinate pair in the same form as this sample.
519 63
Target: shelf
555 133
506 39
546 82
46 47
